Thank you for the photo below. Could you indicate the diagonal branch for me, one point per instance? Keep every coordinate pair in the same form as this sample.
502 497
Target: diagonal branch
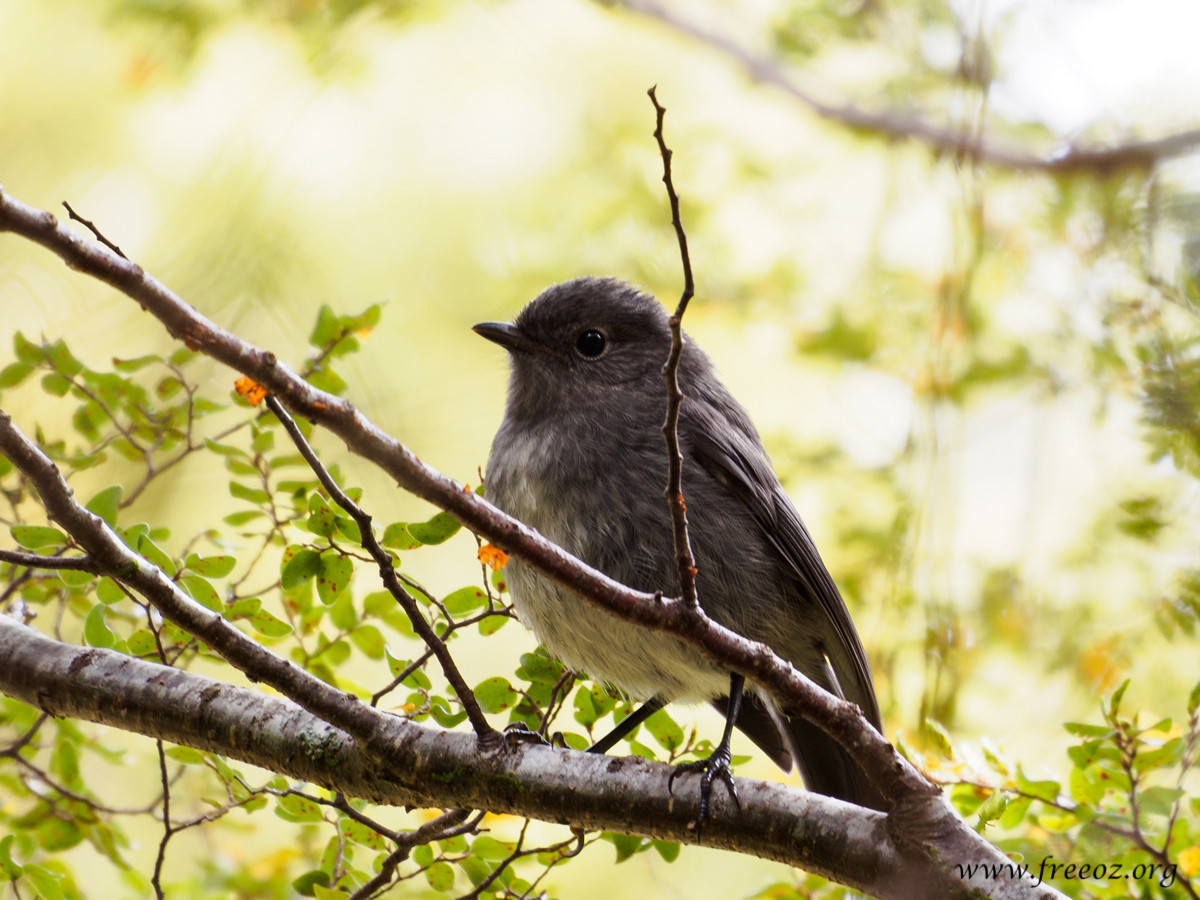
387 572
897 126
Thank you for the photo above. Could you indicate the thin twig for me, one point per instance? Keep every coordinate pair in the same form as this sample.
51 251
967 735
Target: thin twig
387 571
684 559
34 561
96 233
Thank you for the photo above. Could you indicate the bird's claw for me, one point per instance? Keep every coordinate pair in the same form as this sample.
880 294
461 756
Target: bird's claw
520 733
710 769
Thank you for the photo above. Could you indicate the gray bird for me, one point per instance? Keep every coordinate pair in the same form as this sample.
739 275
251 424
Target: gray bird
580 457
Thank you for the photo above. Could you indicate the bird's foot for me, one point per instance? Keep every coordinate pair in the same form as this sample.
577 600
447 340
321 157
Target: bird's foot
711 769
520 733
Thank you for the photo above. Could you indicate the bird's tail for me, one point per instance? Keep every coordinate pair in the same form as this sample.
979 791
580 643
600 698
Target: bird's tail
826 766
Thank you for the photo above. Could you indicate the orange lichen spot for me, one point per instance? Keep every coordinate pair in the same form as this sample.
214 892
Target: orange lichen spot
492 556
250 389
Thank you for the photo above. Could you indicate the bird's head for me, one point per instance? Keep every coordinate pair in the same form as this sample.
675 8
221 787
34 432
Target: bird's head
584 342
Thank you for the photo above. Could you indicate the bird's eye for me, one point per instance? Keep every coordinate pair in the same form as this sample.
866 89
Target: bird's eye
591 344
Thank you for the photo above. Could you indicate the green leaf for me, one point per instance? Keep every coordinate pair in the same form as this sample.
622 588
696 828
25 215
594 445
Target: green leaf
107 591
253 495
362 834
13 374
585 711
1159 800
141 643
269 625
665 730
626 844
992 808
440 876
342 613
55 384
246 515
306 885
325 379
58 834
490 625
348 528
189 756
33 537
369 640
395 664
293 808
538 668
363 321
26 350
202 592
320 517
464 600
1043 790
328 327
495 694
45 883
61 360
438 529
1015 813
488 847
301 565
320 892
247 606
210 566
95 632
132 365
397 537
224 449
333 577
155 554
668 850
9 869
106 503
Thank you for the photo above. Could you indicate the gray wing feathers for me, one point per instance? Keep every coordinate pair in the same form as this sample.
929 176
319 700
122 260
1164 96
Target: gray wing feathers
735 459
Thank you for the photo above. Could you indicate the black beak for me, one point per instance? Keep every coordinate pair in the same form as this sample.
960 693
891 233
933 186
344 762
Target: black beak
511 338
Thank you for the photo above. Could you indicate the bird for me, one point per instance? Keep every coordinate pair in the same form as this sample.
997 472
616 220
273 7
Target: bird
580 457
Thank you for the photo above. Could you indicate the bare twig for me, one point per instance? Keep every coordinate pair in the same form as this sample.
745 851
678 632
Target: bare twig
34 561
684 560
91 226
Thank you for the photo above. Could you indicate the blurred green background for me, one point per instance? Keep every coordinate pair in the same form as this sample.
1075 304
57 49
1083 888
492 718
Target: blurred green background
965 374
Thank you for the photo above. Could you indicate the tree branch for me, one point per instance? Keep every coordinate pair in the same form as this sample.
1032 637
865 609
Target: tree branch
431 768
896 126
34 561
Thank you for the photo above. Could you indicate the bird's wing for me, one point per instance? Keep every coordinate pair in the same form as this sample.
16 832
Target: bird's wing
735 459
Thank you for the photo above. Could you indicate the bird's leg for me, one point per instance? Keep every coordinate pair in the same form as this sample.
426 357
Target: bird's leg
717 765
627 724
